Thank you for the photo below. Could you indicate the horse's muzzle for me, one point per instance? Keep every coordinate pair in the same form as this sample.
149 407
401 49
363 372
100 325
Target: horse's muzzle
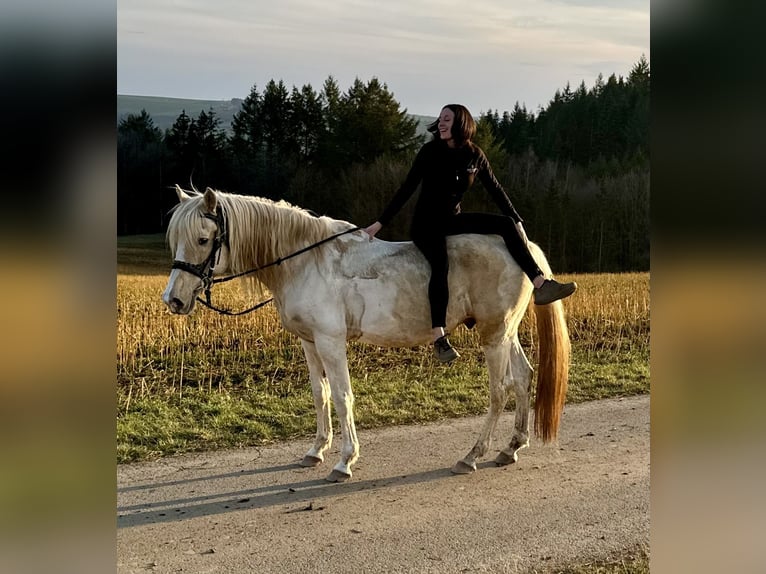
176 306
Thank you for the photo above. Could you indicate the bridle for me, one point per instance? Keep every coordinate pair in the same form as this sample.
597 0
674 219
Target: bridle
205 269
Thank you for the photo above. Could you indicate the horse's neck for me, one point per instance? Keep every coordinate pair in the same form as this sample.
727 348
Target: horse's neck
299 232
277 236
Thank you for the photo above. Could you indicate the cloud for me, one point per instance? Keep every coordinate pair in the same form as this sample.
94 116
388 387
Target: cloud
195 49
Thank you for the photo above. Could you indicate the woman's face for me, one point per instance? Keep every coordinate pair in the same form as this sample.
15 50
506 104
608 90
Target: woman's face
446 117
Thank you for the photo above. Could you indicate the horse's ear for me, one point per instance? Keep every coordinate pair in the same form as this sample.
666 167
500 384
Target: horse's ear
182 195
210 200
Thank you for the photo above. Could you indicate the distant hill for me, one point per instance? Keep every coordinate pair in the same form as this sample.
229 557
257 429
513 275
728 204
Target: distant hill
165 111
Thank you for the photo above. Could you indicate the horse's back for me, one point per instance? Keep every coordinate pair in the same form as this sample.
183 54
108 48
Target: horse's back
385 288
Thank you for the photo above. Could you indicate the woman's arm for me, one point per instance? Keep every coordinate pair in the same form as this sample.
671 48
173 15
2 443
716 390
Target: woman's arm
407 188
494 188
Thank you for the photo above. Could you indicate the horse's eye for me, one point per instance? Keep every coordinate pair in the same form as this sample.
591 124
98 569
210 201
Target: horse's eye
203 240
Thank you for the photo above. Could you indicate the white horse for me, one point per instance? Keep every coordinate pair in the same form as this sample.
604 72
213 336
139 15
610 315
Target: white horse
352 288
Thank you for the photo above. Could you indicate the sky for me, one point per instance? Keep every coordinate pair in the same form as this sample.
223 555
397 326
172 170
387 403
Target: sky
484 54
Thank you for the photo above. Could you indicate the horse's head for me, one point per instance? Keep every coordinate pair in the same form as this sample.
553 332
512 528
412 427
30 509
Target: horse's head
198 236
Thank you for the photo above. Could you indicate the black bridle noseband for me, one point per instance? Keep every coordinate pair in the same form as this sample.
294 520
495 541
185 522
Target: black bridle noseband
205 269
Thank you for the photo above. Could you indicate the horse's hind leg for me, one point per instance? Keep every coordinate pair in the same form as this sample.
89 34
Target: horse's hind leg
520 376
497 365
320 388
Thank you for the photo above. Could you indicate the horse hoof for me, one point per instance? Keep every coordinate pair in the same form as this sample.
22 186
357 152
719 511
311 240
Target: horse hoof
311 461
337 476
504 459
462 467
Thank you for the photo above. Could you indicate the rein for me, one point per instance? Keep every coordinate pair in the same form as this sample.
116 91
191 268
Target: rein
204 270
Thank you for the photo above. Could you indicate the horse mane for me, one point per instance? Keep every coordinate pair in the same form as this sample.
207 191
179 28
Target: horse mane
261 231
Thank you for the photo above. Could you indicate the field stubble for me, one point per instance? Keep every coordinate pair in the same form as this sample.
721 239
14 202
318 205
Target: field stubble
210 381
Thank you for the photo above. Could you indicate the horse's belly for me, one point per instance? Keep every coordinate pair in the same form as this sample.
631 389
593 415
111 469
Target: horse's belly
389 316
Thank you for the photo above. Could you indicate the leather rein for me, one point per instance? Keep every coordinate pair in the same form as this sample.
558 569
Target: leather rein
205 270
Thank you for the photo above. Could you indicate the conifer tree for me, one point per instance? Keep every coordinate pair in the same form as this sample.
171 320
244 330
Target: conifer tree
307 122
247 131
372 124
247 144
139 174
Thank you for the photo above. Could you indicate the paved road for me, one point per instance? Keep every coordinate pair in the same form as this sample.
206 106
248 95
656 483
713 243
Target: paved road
255 510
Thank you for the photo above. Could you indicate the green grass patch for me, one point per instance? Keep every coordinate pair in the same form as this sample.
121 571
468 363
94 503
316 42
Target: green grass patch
606 375
244 405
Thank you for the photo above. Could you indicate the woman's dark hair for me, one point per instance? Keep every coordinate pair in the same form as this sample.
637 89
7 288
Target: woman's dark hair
463 126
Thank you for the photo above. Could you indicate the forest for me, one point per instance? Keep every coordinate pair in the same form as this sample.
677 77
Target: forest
577 170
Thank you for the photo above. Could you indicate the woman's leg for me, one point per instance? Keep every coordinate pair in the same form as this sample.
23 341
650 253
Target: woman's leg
491 224
434 248
546 290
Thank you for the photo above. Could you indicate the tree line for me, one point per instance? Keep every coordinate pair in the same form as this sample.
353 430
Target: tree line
577 171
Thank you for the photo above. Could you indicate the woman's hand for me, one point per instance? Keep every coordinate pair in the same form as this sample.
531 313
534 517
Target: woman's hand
373 229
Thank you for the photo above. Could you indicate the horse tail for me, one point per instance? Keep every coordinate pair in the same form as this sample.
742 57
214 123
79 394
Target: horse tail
552 365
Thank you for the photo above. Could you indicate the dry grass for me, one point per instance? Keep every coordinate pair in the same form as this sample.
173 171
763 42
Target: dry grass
609 312
207 381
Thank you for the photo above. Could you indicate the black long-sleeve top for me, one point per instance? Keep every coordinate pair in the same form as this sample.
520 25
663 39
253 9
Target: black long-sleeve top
446 174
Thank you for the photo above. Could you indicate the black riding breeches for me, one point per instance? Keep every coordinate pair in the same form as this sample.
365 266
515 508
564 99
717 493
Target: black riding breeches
432 242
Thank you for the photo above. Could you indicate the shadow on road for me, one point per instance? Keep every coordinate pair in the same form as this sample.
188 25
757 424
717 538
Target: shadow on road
238 473
283 493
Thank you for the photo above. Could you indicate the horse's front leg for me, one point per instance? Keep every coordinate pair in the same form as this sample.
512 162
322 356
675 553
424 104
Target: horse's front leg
520 376
332 351
320 389
497 365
